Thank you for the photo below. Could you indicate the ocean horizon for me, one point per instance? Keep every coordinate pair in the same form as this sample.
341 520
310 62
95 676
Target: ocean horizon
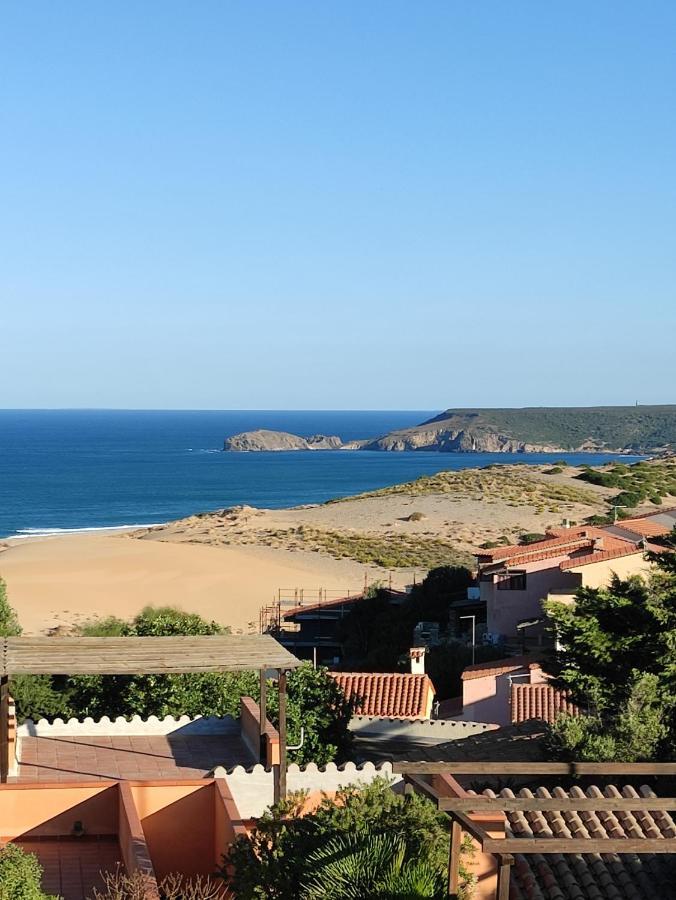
63 471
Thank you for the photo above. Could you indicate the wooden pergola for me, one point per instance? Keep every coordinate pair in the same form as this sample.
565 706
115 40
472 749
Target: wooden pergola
504 849
174 655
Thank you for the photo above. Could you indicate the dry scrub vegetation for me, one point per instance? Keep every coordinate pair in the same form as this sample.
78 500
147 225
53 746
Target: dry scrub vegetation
391 551
492 484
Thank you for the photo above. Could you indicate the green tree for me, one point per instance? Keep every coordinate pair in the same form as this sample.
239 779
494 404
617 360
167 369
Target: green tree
609 633
273 862
376 632
317 704
618 660
633 732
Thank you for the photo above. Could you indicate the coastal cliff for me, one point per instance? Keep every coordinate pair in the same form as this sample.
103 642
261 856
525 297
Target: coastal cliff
611 429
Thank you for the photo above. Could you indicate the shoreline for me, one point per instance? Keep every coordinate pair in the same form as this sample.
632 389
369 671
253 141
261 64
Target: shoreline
228 564
55 531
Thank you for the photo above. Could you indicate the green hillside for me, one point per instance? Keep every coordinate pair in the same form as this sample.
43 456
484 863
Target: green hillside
641 428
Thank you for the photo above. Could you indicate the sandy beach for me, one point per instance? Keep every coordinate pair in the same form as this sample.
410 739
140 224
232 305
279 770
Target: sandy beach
228 564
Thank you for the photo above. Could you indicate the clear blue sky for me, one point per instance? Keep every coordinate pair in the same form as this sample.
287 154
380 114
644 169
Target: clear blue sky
337 204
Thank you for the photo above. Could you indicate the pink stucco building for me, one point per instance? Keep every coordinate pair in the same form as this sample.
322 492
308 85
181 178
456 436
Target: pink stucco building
515 580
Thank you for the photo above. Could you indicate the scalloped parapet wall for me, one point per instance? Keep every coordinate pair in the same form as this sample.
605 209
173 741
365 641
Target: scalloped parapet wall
252 789
200 725
432 730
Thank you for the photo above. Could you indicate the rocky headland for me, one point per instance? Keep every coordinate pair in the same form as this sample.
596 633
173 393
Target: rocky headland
610 429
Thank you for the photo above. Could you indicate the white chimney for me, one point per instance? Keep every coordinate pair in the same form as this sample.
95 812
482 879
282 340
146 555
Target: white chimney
417 657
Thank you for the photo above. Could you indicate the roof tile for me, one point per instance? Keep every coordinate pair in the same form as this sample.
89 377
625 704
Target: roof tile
539 701
395 695
591 876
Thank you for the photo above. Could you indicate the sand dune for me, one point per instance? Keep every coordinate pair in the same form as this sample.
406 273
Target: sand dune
67 579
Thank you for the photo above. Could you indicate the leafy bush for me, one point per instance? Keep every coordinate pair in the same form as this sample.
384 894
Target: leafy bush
20 875
555 470
34 695
276 861
531 537
314 700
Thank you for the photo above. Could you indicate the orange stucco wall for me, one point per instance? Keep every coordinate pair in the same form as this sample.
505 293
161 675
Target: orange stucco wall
41 810
178 823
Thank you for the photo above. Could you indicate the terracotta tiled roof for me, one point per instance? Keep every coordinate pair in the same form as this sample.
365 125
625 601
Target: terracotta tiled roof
592 876
499 666
545 553
539 701
569 536
644 527
393 695
614 551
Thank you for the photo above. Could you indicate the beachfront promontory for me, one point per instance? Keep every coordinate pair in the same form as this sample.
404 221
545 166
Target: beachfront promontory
611 429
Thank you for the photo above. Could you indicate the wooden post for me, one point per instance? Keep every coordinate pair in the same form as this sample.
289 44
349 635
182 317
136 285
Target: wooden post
505 862
454 859
263 715
4 728
280 781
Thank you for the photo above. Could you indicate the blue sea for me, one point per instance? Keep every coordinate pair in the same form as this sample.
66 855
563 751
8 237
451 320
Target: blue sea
86 469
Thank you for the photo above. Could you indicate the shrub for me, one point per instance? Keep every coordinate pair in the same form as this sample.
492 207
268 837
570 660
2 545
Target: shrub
34 695
555 470
9 623
20 875
531 537
274 861
118 885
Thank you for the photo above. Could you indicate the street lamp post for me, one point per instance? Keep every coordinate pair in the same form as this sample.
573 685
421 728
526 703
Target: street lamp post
473 618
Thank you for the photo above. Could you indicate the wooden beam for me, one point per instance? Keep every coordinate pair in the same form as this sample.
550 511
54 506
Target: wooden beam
554 804
454 860
472 767
579 845
4 728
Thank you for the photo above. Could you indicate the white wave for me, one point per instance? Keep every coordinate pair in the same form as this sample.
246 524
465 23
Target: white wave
23 533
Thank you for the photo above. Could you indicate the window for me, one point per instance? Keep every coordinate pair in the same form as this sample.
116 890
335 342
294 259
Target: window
512 582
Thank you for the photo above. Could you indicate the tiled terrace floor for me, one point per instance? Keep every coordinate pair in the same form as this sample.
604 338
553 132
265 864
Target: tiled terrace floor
73 866
137 757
